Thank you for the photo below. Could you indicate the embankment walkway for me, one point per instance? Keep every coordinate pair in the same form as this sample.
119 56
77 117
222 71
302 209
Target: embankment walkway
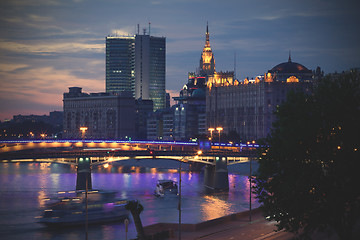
235 226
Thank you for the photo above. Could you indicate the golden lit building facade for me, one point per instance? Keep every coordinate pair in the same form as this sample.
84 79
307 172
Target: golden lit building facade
207 60
247 107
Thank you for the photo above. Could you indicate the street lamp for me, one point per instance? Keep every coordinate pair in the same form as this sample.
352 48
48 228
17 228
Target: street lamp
211 131
250 176
179 206
83 130
219 129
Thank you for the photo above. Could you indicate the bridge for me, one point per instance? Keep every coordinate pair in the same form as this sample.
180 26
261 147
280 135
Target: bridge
87 153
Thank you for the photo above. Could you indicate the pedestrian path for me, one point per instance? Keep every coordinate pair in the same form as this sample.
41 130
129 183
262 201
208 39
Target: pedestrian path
232 227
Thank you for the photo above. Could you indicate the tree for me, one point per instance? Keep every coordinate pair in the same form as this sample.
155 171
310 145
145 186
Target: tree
308 171
136 208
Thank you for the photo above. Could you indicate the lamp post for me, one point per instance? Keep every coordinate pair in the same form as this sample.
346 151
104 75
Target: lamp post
179 206
86 210
250 191
83 131
219 129
211 131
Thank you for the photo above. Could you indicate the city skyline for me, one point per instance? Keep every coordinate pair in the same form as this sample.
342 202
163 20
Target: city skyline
48 46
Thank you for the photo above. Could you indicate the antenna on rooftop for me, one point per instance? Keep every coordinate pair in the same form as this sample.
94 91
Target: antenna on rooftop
235 65
149 27
138 29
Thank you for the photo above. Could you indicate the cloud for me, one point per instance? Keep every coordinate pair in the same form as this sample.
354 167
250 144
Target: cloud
38 18
39 48
34 3
41 87
7 67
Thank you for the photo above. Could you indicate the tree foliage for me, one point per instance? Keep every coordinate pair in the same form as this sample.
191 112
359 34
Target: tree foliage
308 179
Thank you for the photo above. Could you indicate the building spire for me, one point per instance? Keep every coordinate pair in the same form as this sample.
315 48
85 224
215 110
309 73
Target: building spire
289 56
207 42
207 61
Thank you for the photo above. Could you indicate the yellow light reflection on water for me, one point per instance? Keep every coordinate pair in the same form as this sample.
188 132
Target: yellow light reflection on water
190 175
153 171
214 207
42 198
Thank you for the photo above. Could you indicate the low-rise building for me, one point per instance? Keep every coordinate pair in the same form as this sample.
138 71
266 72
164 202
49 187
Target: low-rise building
104 115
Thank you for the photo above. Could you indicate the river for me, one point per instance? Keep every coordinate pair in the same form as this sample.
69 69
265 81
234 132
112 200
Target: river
23 187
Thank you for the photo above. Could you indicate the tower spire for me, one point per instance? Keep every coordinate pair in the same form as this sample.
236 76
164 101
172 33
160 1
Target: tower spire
207 61
207 42
289 56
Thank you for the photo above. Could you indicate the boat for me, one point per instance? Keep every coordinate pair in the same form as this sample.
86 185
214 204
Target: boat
165 186
69 208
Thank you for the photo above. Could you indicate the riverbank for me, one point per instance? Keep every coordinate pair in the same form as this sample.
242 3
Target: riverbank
237 225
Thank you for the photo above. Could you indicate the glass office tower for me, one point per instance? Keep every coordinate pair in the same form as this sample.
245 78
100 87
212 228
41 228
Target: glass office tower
120 64
150 69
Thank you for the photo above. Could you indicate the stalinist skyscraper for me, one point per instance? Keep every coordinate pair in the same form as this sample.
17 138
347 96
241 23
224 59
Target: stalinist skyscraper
207 60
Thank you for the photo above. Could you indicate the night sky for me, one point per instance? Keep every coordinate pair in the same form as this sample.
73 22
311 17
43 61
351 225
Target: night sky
47 46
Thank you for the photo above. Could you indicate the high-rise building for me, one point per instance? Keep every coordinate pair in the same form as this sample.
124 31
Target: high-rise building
207 60
137 64
120 64
150 69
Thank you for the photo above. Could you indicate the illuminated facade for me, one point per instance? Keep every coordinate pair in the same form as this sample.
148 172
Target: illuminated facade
137 64
207 60
105 115
247 107
190 110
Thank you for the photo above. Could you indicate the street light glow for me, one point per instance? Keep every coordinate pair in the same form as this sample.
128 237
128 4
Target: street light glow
83 129
219 129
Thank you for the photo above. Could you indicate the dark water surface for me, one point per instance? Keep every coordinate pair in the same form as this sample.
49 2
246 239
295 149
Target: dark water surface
23 187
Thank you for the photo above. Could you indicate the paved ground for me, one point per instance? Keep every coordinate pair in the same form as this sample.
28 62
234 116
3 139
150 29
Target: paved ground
232 227
259 228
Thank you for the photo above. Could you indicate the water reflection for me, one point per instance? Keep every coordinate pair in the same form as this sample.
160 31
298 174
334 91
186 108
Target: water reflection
214 207
26 185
